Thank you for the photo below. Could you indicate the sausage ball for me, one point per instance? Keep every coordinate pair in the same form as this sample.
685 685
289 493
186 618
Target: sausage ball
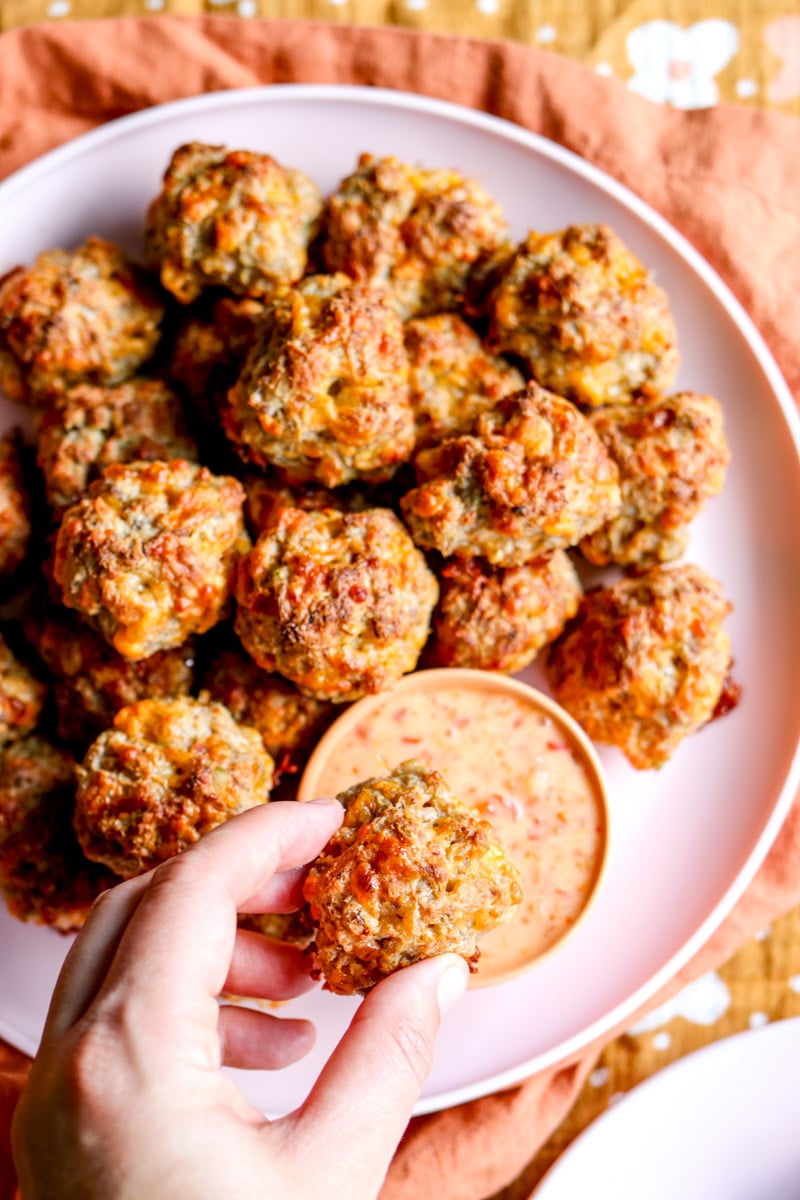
168 772
230 218
22 697
92 681
339 603
533 477
289 722
645 662
671 453
414 231
89 428
208 351
584 316
410 873
43 873
452 377
266 497
80 316
15 508
498 618
148 556
324 392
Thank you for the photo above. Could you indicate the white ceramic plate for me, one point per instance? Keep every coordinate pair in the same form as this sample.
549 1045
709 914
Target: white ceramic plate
686 840
720 1123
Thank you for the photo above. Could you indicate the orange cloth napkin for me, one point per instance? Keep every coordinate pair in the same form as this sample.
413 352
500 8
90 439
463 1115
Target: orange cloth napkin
726 177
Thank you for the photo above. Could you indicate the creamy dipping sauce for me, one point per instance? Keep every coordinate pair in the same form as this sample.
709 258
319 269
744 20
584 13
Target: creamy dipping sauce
519 769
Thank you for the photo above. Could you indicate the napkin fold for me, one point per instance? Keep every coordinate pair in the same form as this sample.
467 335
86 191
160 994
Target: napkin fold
726 177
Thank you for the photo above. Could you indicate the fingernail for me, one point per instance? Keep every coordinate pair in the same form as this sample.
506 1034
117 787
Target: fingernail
327 800
452 986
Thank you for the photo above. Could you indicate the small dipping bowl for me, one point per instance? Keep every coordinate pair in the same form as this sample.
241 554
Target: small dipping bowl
519 761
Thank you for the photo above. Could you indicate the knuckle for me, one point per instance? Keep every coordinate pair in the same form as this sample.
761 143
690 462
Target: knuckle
412 1047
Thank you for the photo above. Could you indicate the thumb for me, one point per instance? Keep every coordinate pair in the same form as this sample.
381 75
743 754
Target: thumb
368 1088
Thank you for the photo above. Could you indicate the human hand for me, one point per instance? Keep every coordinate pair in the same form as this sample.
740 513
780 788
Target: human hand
126 1099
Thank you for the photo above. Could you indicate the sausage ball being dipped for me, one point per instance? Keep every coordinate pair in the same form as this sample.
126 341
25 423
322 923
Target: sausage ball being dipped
15 508
323 394
411 873
89 428
230 218
499 618
92 682
533 477
80 316
148 556
22 696
452 377
167 772
646 662
582 314
413 231
44 875
671 453
339 603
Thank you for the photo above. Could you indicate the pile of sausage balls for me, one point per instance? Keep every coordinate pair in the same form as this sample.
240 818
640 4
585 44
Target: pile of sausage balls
314 444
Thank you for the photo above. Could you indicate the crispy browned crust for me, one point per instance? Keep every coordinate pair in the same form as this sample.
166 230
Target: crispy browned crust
43 873
289 722
15 508
452 377
339 603
148 556
81 316
90 427
22 697
324 393
532 478
92 681
499 618
230 218
671 453
583 314
644 663
414 231
208 351
168 772
410 874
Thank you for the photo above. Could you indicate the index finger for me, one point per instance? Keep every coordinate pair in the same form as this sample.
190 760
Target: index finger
179 940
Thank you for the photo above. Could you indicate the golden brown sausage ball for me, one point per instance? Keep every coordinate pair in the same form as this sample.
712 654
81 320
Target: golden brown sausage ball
208 351
452 377
644 663
281 927
582 313
266 497
339 603
414 231
80 316
89 428
168 772
43 873
148 556
92 681
289 722
498 618
533 477
410 873
324 393
22 696
671 453
230 218
15 508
